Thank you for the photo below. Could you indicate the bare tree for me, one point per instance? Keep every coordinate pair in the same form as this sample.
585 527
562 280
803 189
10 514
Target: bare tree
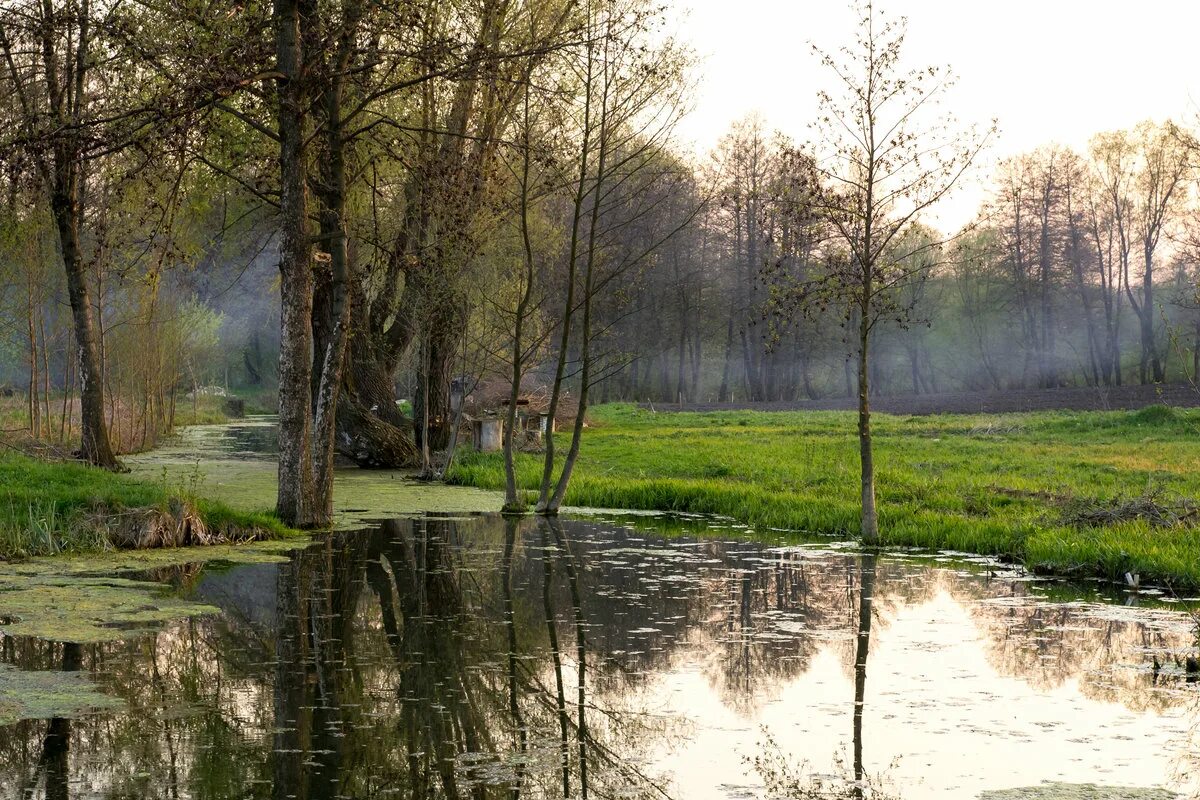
887 163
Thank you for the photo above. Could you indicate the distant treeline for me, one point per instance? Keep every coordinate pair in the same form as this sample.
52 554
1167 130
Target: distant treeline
1081 270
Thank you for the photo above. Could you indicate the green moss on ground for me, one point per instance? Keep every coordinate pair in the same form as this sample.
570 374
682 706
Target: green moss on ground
49 507
989 484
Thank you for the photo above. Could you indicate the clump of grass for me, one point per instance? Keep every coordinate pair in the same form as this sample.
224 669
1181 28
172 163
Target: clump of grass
1154 415
995 426
43 530
783 778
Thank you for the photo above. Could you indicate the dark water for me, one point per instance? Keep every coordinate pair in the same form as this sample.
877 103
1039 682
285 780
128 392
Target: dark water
479 657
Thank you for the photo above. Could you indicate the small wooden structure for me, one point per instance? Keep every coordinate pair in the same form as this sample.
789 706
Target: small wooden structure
487 434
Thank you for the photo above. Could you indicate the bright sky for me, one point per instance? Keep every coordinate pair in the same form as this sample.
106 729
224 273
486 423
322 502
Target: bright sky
1047 70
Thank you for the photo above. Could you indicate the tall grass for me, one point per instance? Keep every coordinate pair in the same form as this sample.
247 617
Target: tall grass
990 484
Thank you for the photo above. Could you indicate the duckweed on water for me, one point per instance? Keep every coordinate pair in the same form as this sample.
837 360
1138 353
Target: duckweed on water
1078 791
26 694
87 610
269 551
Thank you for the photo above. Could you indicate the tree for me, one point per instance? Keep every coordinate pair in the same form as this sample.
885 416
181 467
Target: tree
48 53
631 97
888 162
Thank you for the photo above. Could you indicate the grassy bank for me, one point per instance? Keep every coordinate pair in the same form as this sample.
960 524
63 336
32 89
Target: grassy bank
1073 493
53 507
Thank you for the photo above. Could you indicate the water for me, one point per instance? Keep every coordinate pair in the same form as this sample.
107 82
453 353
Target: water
440 656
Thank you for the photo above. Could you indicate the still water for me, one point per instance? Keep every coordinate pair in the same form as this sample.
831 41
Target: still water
610 656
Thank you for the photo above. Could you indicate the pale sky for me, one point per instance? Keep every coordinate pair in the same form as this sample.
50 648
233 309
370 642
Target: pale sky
1047 70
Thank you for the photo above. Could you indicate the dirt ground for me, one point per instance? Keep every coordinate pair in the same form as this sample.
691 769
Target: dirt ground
1104 398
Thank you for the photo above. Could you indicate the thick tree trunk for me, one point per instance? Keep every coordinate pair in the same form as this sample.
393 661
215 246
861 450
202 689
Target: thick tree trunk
433 391
95 443
294 501
371 429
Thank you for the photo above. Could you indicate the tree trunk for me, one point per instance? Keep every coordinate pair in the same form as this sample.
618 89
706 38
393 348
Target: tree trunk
64 202
870 518
294 500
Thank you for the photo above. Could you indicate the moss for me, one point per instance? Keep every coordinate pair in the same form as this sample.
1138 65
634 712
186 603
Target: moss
26 694
87 610
359 494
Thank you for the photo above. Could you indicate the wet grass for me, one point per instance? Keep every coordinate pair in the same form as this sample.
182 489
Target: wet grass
991 484
48 508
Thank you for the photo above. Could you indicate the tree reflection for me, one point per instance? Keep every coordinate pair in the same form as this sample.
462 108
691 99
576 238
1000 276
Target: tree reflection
568 560
862 650
564 748
56 745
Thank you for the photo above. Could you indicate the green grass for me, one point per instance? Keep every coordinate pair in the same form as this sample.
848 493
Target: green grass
990 484
53 507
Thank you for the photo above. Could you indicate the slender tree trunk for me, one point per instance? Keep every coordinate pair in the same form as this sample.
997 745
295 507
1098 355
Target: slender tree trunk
723 392
544 494
870 518
511 501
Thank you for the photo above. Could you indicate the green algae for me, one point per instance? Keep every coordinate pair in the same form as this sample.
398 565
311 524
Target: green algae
87 610
268 551
359 495
1078 791
28 694
235 464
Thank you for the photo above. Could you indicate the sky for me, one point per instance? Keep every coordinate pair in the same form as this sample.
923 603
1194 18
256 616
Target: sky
1046 70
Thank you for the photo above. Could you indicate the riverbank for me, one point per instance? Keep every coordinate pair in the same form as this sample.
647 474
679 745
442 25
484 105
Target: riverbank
53 507
1081 494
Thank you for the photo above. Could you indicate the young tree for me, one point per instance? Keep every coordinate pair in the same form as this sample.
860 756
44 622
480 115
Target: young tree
888 162
631 97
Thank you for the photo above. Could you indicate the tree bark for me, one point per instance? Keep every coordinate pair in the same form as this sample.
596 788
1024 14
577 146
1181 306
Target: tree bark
294 501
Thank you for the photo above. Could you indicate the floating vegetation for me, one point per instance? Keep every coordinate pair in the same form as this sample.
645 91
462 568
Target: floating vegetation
268 551
28 694
1078 791
87 610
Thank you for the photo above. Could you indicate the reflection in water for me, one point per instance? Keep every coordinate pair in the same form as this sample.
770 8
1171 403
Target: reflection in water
862 650
493 657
